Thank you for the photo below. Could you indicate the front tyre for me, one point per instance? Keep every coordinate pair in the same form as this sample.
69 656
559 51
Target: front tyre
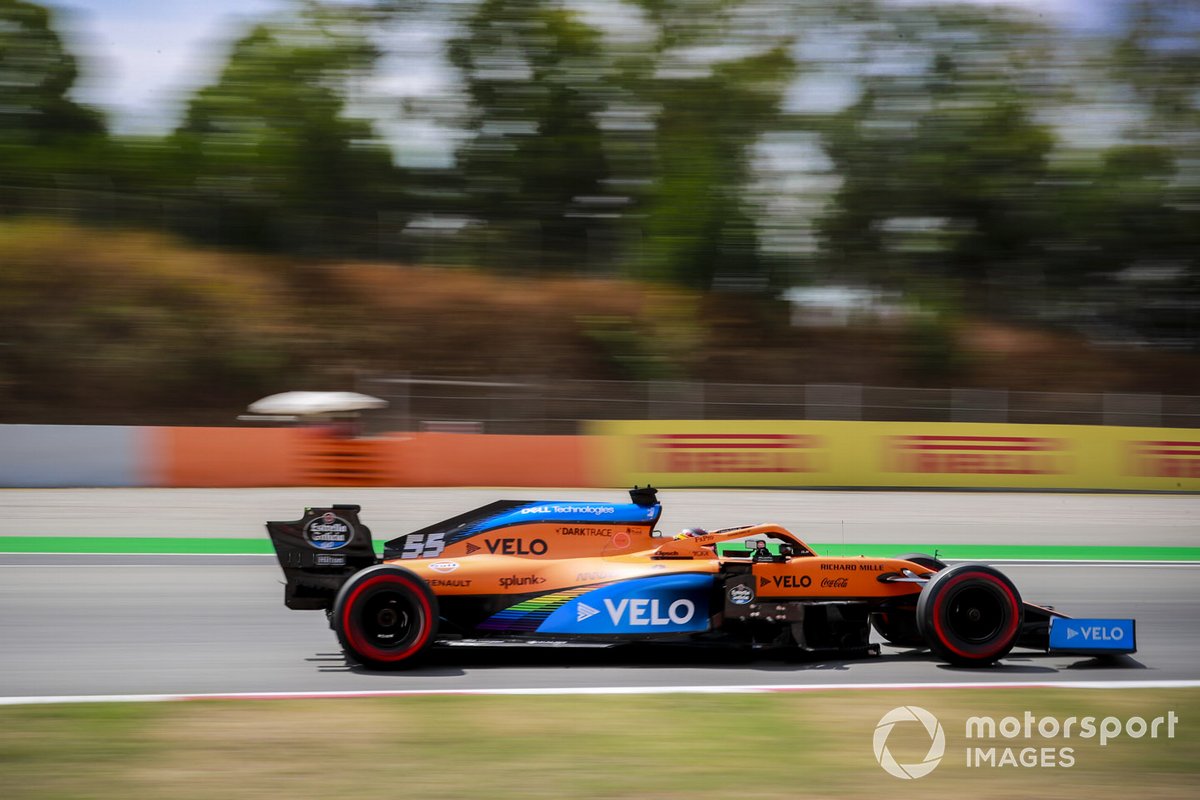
970 614
385 616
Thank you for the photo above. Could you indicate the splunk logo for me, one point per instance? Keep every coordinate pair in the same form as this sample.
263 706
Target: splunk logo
932 730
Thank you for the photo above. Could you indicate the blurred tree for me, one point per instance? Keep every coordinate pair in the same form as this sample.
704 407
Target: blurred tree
586 151
535 164
43 133
1157 179
715 72
943 164
698 230
271 144
37 73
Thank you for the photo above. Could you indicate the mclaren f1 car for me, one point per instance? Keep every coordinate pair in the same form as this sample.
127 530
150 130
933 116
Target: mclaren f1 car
557 572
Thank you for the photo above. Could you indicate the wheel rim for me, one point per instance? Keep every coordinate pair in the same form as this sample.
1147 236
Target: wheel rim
388 620
975 614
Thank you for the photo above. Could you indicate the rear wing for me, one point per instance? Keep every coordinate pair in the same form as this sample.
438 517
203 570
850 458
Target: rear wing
319 551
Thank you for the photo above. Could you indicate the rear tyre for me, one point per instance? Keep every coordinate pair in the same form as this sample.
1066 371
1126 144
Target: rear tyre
385 617
970 614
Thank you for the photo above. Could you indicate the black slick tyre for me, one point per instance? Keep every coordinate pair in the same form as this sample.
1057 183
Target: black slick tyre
970 614
385 617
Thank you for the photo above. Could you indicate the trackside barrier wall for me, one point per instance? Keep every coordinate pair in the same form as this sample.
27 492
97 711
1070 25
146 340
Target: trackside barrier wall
73 455
615 454
229 457
899 454
315 457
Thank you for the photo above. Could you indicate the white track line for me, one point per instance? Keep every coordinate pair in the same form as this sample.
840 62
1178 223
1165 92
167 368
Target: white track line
596 690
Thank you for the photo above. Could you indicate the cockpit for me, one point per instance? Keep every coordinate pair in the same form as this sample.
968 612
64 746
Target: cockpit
760 543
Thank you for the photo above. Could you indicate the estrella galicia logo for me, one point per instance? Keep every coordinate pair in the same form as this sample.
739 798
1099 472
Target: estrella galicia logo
932 729
328 532
740 594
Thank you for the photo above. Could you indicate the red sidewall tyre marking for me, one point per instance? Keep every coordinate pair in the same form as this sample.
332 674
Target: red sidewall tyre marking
1014 615
369 650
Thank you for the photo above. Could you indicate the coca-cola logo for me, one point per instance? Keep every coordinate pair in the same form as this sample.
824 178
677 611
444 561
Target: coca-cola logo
834 583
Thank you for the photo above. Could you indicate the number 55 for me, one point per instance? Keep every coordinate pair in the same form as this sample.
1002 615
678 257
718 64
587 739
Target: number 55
424 546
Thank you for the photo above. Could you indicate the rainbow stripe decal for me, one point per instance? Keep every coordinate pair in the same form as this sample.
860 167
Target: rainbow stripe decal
527 615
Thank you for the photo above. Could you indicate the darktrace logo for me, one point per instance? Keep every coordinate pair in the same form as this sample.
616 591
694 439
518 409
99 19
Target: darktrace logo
927 728
328 532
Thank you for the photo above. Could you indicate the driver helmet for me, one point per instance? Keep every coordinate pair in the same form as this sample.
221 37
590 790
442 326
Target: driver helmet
691 533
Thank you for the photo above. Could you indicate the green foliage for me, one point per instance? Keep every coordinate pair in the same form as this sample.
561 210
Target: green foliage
628 145
38 73
535 165
45 137
697 226
270 146
942 170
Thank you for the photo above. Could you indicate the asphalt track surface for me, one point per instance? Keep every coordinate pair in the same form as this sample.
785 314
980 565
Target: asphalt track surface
108 625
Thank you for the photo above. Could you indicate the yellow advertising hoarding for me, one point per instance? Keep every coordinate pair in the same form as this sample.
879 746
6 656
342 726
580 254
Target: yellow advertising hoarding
898 454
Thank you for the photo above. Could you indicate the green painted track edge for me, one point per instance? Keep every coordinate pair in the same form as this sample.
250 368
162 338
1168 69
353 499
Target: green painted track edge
230 546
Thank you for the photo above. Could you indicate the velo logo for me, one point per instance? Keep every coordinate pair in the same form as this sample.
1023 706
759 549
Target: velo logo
933 729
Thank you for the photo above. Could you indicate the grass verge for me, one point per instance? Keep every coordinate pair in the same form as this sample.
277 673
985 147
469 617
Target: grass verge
681 746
